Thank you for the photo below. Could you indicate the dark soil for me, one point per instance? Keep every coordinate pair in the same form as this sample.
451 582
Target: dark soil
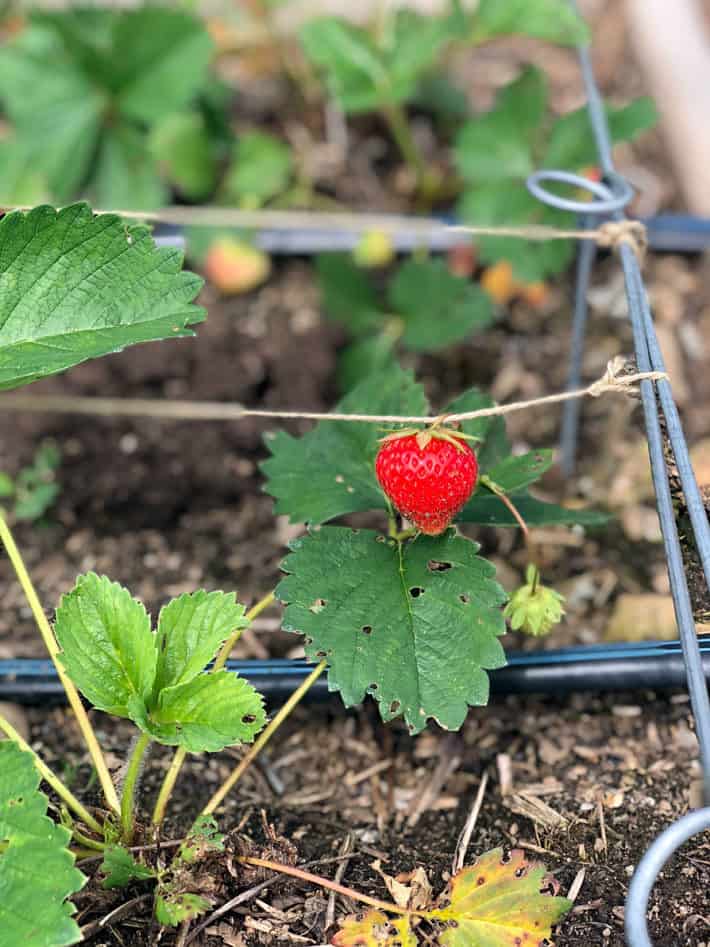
613 771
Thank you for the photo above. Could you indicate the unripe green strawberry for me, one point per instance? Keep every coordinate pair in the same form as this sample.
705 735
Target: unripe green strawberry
534 608
428 476
374 249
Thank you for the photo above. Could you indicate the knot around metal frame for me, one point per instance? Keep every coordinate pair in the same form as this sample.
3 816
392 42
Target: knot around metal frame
616 233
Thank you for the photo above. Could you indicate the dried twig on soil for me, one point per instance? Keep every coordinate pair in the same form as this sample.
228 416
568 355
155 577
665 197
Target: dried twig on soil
88 930
449 762
465 836
345 850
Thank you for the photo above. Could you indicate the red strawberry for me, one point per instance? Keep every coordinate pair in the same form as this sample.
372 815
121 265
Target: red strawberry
428 476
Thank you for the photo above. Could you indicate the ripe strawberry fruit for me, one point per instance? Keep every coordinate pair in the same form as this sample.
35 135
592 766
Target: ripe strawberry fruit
428 476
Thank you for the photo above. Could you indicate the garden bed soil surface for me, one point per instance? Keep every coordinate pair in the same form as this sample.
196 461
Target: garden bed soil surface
169 507
166 507
584 783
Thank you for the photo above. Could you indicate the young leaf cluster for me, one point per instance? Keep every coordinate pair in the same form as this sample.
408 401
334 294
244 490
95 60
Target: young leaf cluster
157 679
33 491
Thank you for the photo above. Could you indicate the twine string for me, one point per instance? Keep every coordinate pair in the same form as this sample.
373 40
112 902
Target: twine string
611 234
614 379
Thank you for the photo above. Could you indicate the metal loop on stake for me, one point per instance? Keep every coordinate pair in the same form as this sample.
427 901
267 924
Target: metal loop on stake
609 199
648 869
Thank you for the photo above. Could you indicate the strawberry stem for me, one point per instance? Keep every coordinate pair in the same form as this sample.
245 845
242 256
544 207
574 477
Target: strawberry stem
506 501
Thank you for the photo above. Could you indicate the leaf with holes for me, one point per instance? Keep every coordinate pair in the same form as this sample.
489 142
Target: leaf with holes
330 471
121 868
414 625
204 714
202 838
375 929
37 872
74 286
191 629
437 307
172 908
108 648
498 902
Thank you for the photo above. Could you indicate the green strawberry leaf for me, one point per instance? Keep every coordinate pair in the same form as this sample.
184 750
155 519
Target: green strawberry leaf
76 286
121 868
72 78
487 510
571 142
22 183
498 902
330 470
261 168
108 648
552 20
204 714
438 308
493 445
497 145
354 69
515 473
7 485
37 873
191 629
159 60
34 501
347 293
172 907
411 45
503 203
126 174
181 145
202 838
415 625
54 106
370 355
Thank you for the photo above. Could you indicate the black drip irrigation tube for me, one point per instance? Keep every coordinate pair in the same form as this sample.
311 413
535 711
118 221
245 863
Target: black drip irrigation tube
655 665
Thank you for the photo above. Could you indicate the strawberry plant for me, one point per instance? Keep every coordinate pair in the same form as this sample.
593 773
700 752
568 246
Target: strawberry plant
33 491
426 308
114 105
411 619
496 151
391 65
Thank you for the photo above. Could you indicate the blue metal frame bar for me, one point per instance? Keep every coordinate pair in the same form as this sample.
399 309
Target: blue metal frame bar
654 396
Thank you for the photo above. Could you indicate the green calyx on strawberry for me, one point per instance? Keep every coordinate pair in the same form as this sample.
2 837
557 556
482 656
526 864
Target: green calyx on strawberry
428 475
534 608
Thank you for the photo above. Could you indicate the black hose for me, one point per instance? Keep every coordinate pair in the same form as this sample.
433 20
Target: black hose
655 665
